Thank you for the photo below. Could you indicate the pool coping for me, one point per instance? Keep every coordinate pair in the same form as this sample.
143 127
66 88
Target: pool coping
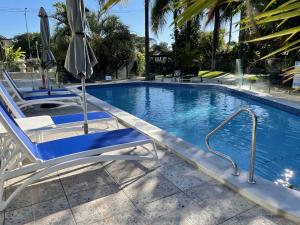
281 201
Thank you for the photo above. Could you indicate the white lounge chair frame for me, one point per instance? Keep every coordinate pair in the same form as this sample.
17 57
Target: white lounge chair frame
22 103
18 114
14 152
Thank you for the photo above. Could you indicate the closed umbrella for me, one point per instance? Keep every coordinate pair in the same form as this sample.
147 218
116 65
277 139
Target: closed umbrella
2 56
47 58
80 58
2 53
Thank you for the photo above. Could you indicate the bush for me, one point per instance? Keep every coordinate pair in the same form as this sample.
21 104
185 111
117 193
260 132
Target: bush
252 80
139 67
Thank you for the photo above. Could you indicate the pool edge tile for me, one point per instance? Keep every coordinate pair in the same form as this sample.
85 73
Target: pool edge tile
279 200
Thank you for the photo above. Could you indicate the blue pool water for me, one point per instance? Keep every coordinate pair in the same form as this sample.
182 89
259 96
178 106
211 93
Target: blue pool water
190 112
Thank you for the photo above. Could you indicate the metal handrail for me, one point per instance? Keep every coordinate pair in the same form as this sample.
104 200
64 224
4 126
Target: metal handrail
253 144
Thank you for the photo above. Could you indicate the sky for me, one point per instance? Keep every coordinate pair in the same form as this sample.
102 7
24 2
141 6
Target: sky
12 18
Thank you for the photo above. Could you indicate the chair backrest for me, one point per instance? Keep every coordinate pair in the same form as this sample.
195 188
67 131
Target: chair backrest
10 79
12 85
18 135
13 107
5 109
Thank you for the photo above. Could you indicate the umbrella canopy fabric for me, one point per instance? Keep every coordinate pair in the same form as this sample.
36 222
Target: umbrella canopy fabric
80 58
2 53
47 60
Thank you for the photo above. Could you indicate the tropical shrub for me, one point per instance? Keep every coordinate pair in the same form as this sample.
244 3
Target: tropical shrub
13 55
139 68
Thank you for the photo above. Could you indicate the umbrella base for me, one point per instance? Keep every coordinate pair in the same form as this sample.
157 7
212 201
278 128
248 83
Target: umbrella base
85 128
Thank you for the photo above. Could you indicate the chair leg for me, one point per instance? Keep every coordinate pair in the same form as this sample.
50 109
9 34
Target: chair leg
2 183
155 154
42 172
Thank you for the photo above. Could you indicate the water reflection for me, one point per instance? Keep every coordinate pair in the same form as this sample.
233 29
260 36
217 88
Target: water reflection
286 178
191 112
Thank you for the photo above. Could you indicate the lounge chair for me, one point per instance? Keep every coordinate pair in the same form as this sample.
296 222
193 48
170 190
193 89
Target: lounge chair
9 79
52 122
48 157
62 99
177 76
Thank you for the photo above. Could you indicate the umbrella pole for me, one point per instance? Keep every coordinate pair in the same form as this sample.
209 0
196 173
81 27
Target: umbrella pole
32 82
48 81
43 77
84 106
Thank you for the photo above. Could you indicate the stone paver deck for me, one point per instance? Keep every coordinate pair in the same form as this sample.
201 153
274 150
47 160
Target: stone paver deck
131 193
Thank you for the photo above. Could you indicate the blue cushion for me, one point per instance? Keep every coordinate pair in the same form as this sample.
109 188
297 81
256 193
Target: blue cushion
49 96
46 91
72 145
73 118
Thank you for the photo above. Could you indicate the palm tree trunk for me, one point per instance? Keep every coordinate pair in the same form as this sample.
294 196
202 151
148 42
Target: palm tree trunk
188 43
242 33
188 37
230 32
147 54
176 33
188 31
215 44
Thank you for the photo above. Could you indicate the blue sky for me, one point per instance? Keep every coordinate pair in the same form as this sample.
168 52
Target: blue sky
12 21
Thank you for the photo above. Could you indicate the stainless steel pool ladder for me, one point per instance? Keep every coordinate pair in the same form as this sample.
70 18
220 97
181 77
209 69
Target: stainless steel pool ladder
253 144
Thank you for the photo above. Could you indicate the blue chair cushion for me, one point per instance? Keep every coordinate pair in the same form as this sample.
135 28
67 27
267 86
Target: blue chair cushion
49 96
46 91
72 145
73 118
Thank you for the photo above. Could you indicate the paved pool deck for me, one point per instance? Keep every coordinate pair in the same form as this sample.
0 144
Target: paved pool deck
131 193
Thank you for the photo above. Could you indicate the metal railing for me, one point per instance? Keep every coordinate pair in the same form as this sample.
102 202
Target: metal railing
253 144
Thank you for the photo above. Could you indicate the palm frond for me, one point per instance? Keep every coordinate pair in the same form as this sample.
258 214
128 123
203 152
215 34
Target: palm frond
160 9
286 48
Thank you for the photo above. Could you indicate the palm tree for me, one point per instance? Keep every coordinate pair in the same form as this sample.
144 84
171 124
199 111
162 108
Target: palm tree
110 3
147 45
101 4
230 31
280 13
274 12
221 13
215 41
160 9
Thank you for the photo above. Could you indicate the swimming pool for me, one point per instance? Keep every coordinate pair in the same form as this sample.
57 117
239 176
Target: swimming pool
191 111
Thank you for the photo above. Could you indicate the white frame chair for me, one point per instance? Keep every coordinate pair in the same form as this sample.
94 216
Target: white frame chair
66 126
69 100
16 148
8 78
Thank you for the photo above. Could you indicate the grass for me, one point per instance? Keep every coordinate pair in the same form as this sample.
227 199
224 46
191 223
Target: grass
252 79
210 74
